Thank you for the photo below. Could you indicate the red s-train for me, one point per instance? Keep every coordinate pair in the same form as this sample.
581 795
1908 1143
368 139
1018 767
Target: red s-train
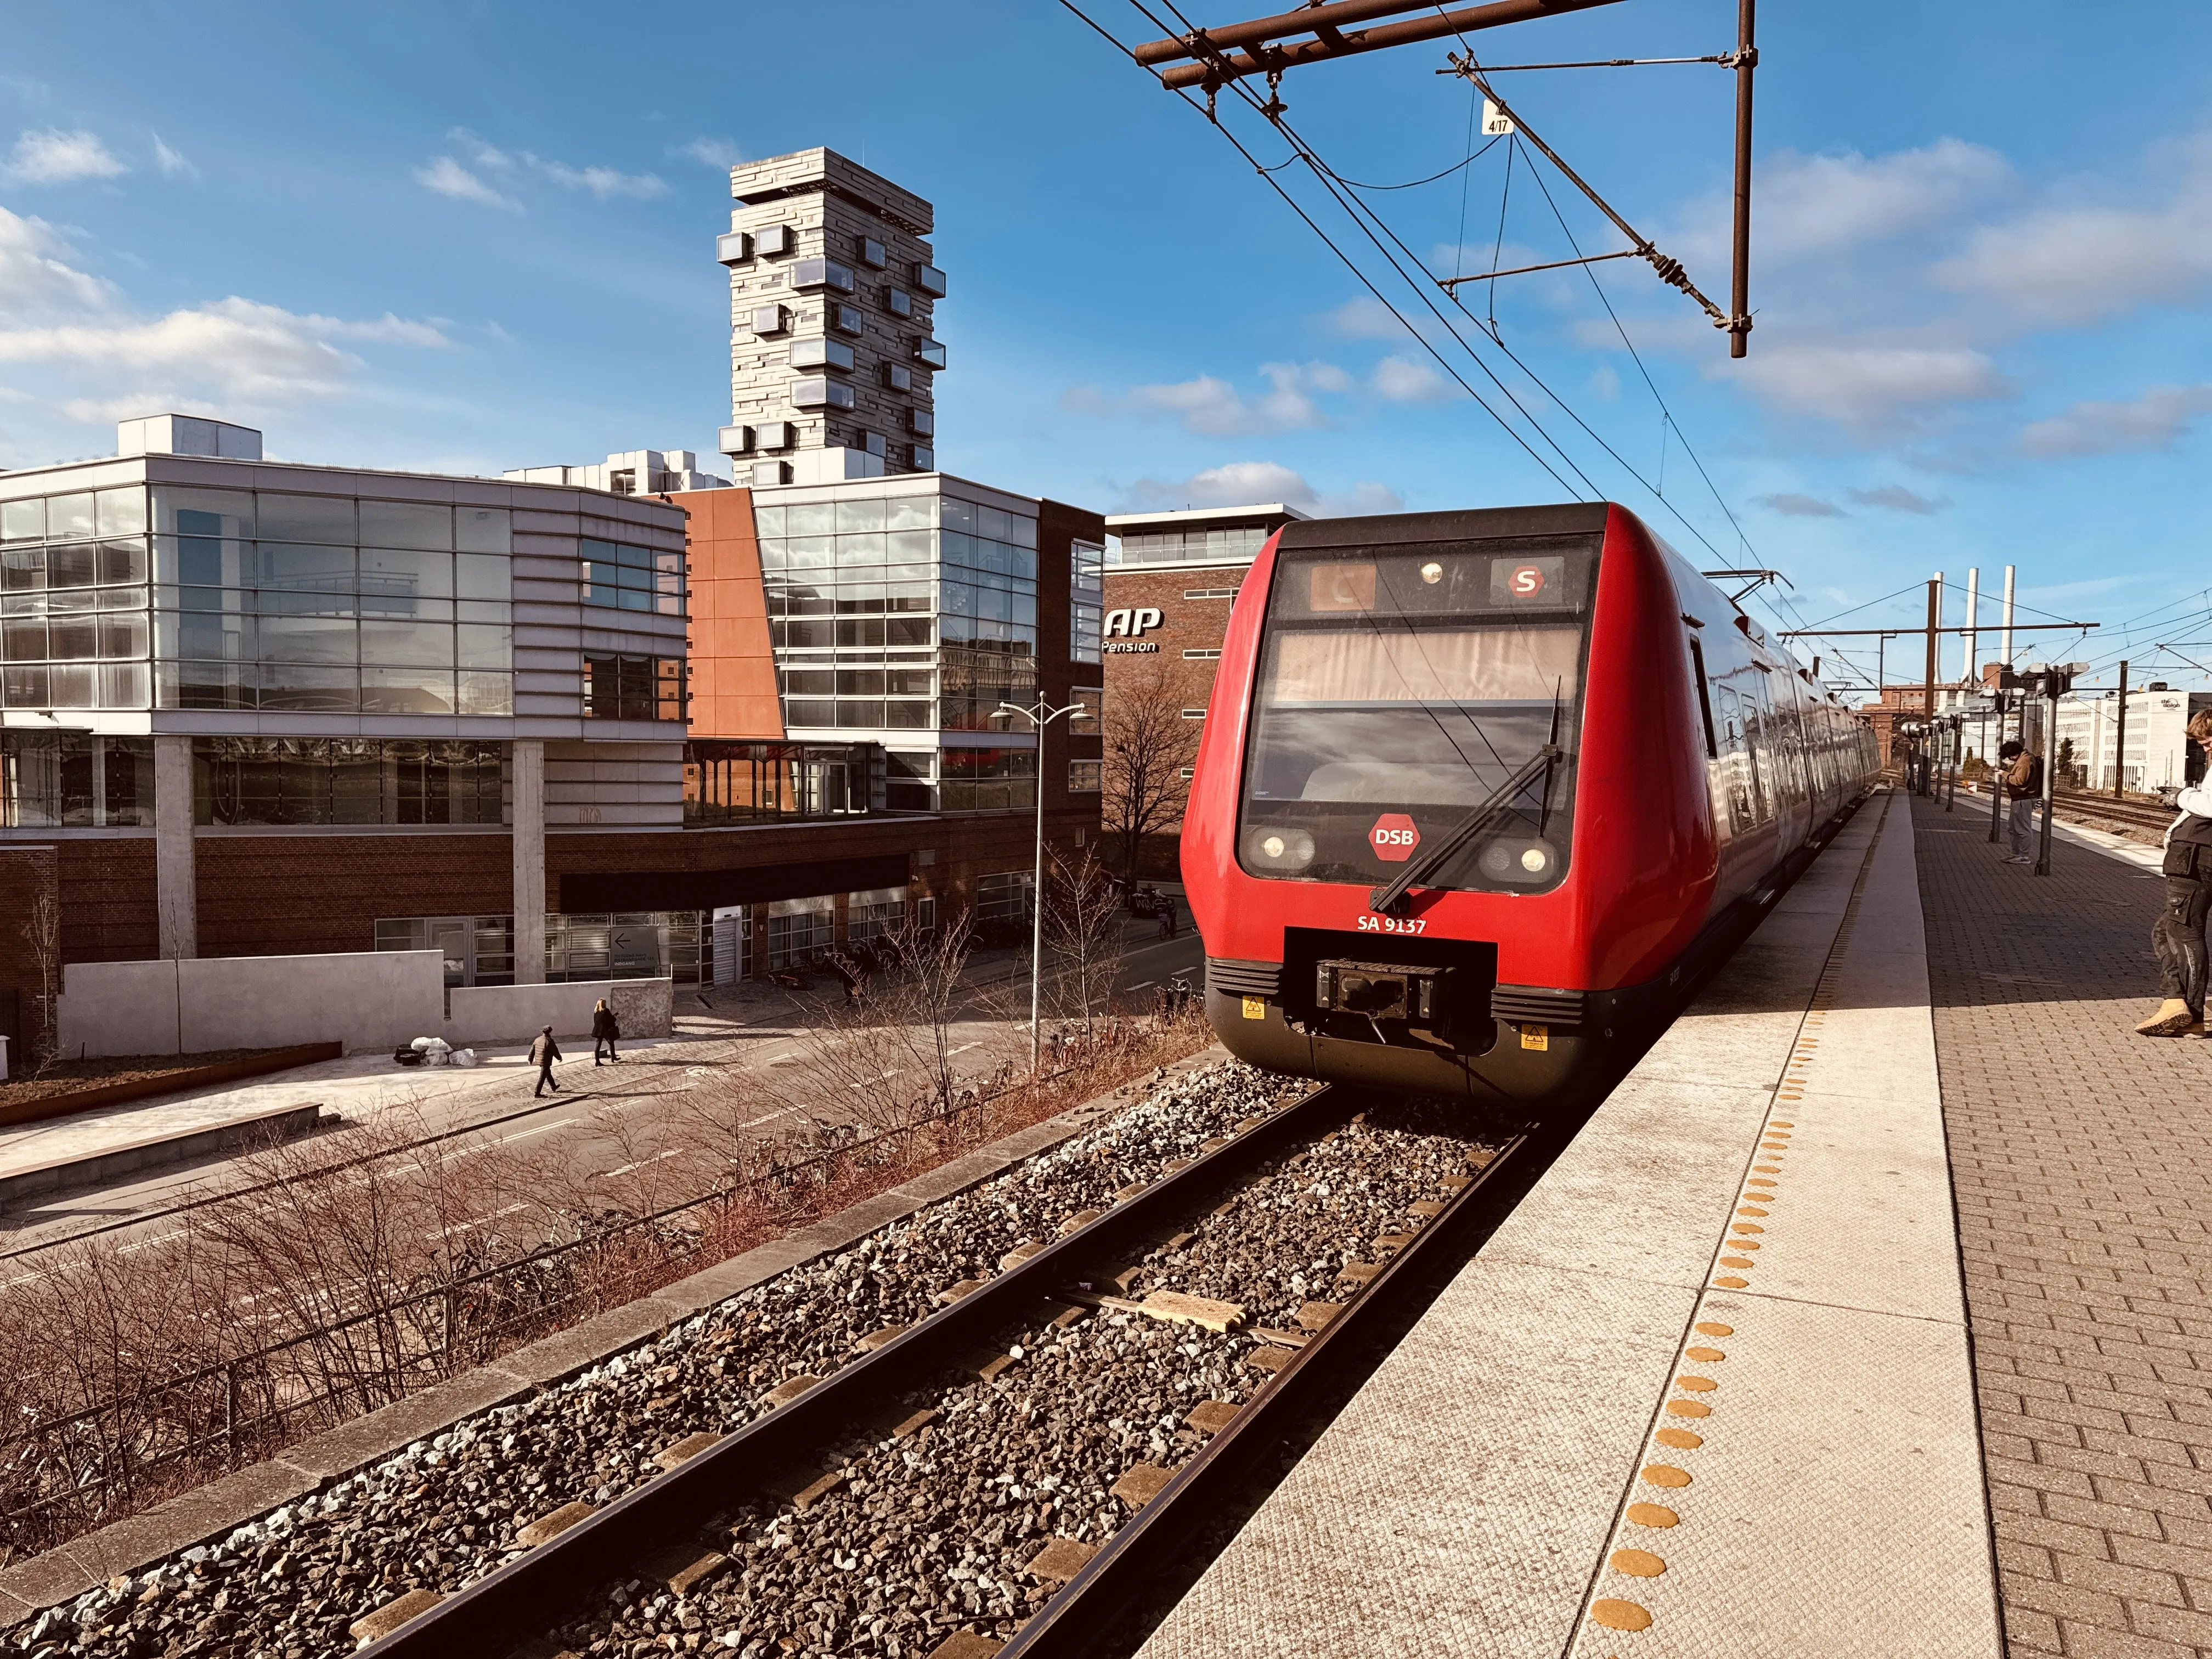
1478 789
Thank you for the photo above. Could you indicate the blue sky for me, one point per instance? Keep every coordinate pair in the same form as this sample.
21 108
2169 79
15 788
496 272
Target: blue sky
477 236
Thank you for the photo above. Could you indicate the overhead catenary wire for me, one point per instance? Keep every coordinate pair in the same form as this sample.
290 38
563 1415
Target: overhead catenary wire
1361 213
1361 277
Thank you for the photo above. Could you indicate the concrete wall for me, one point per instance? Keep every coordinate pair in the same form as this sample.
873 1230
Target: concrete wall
110 1008
366 999
489 1014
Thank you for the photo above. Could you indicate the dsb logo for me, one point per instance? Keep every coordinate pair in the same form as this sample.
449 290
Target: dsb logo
1394 838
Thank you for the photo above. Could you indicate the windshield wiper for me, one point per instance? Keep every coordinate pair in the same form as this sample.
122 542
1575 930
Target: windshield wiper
1387 901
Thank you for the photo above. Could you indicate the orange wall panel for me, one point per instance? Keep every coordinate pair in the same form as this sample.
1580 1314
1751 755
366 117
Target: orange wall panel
733 664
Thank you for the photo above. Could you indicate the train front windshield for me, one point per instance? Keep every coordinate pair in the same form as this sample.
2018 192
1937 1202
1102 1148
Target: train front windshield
1398 689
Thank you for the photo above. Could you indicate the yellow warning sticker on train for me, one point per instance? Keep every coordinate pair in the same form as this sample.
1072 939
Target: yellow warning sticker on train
1538 1037
1256 1008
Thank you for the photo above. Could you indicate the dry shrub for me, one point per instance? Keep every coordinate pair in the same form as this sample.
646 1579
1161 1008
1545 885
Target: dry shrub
358 1268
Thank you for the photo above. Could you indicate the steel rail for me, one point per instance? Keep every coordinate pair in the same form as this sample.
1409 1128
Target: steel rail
515 1601
1082 1619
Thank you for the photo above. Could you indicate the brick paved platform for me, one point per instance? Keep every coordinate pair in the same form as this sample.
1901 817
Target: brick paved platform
2081 1158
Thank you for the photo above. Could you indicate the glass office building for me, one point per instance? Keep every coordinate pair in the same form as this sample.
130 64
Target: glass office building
903 611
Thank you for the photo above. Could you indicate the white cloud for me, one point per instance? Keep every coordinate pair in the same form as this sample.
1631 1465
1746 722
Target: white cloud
1402 380
603 182
1244 484
1605 381
36 280
712 152
1809 204
1365 319
2066 265
112 358
172 163
445 176
2156 420
449 178
1214 406
52 156
241 347
1896 498
1793 505
1877 390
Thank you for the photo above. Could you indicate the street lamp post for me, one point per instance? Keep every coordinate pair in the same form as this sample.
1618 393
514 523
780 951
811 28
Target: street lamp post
1039 717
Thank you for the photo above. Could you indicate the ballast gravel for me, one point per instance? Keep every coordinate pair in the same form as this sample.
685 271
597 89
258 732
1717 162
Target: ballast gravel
929 1532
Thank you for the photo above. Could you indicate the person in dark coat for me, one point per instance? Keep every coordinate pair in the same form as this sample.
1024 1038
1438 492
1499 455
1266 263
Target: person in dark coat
543 1054
605 1030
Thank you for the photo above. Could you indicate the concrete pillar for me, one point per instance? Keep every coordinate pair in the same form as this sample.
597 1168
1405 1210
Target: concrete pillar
528 784
175 875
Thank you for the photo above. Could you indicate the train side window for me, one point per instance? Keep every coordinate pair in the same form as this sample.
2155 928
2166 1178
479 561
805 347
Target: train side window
1705 697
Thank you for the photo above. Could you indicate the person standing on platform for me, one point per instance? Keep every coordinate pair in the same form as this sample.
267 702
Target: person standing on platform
543 1054
2022 782
604 1030
2177 937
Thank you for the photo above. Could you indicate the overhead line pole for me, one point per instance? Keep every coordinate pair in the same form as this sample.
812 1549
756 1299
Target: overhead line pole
2120 737
1747 60
1928 688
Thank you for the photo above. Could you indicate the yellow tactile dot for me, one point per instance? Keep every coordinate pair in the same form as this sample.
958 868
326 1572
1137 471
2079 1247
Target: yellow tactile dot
1737 1261
1688 1408
1696 1384
1652 1514
1746 1209
1637 1563
1730 1282
1704 1356
1779 1124
1665 1474
1679 1439
1746 1227
1619 1615
1762 1184
1713 1327
1768 1169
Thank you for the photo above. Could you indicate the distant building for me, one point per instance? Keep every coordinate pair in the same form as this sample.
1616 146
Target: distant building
833 360
2159 753
633 472
1166 589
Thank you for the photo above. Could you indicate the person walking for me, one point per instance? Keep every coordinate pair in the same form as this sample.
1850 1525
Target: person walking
2177 937
2022 782
543 1054
604 1030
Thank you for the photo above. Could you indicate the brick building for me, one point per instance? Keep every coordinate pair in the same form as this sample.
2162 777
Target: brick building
1169 582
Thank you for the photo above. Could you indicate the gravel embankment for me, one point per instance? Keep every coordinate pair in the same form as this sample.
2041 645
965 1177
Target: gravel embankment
445 1512
936 1531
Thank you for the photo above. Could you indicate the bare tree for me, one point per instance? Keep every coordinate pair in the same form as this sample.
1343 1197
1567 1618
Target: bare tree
42 931
1082 929
1148 743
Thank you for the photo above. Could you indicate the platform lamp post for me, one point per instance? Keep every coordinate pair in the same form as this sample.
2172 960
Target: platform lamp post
1039 717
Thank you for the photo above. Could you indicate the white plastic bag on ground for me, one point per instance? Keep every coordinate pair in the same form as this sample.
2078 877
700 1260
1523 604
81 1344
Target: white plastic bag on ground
464 1057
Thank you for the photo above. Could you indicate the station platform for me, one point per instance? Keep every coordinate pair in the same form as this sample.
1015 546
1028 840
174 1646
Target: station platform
1710 1388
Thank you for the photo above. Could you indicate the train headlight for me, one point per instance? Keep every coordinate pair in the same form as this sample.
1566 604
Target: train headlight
1280 849
1519 863
1432 573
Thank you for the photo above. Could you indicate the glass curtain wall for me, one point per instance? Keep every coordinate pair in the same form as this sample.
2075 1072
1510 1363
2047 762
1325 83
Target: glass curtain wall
900 613
1190 546
74 627
334 781
325 604
75 781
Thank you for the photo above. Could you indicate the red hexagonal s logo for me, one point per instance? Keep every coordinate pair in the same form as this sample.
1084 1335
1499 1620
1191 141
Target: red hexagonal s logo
1394 838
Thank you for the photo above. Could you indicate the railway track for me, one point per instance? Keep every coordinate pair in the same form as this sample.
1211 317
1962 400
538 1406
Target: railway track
1008 1406
1020 1423
2135 814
